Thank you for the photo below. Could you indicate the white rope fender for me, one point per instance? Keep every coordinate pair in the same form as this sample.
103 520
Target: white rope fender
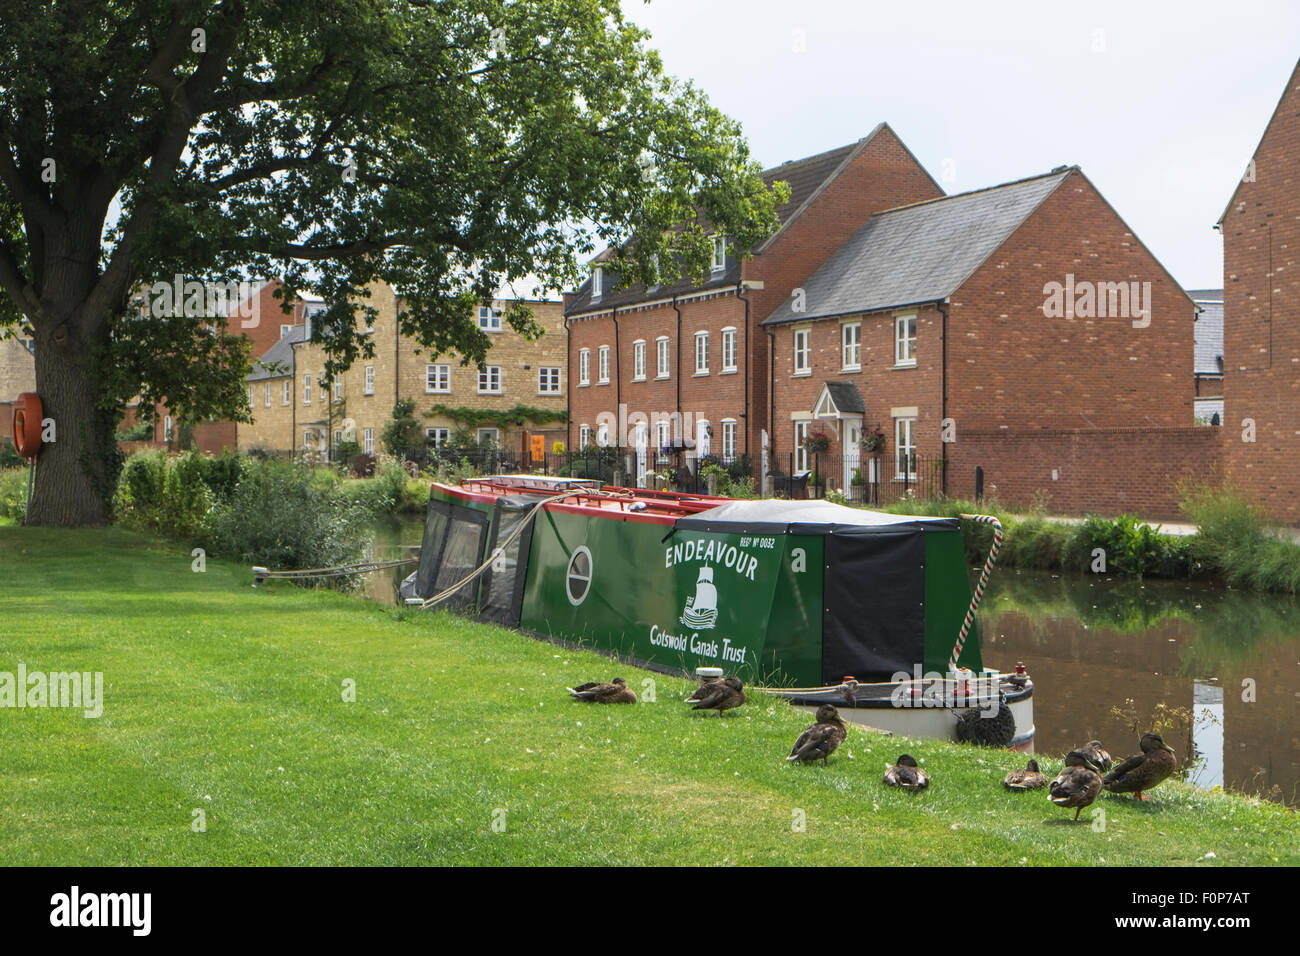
980 585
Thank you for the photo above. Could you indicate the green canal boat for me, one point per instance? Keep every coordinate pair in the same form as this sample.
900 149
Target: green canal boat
806 600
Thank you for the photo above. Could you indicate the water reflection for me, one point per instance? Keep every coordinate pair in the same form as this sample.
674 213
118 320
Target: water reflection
1108 655
394 537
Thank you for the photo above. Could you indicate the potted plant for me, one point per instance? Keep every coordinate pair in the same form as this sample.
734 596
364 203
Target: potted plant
816 443
856 486
874 442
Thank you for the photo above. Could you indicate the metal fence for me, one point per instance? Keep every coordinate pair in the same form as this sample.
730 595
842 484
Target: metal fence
879 479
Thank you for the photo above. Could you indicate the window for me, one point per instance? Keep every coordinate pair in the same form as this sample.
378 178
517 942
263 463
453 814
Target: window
701 353
437 379
729 439
489 320
802 352
702 433
370 380
306 389
851 346
488 436
597 281
306 440
584 436
548 381
285 330
663 439
638 360
719 253
905 340
661 356
338 437
266 397
905 447
602 435
729 350
286 392
584 367
369 446
604 365
336 389
489 381
167 428
654 265
800 452
250 397
437 437
578 579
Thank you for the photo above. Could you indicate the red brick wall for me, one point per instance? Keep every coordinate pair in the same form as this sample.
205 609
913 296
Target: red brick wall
1107 471
1261 339
1008 364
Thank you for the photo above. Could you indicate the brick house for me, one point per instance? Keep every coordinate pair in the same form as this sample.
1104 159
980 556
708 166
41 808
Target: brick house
17 375
1261 302
957 325
683 365
1208 373
296 409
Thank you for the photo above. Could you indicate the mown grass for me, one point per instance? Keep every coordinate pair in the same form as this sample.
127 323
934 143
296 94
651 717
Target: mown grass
228 699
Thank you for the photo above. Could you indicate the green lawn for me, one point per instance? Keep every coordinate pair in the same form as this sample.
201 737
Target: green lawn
230 699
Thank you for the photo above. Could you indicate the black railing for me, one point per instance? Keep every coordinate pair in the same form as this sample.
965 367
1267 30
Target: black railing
871 479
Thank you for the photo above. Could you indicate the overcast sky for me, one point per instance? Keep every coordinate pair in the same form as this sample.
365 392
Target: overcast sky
1161 104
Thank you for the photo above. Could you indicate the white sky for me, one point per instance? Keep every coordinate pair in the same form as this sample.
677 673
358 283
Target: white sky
1162 117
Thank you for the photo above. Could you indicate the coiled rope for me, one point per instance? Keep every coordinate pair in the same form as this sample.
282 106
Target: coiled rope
979 586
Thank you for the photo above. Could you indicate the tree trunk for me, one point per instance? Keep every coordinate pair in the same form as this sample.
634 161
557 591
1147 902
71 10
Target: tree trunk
76 472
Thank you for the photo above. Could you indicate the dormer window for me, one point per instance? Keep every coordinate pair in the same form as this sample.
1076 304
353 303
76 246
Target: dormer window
489 320
597 280
719 253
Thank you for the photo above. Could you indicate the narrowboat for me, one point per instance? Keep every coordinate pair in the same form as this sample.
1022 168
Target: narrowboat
809 601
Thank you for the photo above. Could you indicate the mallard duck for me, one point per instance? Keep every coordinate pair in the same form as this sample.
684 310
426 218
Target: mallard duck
1078 783
1094 752
725 694
615 692
820 739
700 692
1031 778
907 774
1154 764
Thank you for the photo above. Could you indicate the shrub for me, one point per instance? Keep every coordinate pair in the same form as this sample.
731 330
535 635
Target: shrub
172 497
13 493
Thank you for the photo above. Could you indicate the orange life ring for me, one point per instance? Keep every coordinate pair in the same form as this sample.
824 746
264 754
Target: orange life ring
27 424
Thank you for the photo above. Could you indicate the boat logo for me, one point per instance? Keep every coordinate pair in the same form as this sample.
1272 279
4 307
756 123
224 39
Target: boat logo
701 610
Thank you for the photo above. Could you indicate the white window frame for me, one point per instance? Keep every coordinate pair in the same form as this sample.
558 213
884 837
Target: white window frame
663 368
638 360
729 439
597 282
286 392
602 366
439 436
486 376
250 396
803 351
368 441
306 438
701 353
549 380
370 380
719 253
285 330
266 396
729 349
437 379
905 345
495 433
584 436
904 439
584 367
489 320
168 428
851 347
336 388
801 463
306 388
663 439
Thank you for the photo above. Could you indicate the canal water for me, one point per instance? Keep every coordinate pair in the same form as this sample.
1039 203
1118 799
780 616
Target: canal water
1216 671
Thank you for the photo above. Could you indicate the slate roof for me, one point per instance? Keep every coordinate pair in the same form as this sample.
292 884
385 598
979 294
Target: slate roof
919 253
282 352
806 178
1208 330
846 397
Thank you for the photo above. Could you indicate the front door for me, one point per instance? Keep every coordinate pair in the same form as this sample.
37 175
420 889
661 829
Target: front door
852 452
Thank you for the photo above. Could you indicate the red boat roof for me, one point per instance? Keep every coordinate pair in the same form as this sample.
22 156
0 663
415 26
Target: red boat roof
589 496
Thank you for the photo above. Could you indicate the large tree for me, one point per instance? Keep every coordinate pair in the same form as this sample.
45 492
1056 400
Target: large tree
443 147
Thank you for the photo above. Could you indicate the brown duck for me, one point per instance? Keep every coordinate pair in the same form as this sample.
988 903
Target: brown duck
615 692
906 774
1078 783
725 694
1152 766
1031 778
1099 757
820 739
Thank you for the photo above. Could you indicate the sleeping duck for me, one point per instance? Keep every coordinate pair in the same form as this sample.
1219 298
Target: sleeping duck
906 774
820 739
1031 778
725 694
1094 752
1077 785
1153 765
615 692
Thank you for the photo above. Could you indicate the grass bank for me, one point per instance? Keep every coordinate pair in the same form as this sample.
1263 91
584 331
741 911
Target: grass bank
226 699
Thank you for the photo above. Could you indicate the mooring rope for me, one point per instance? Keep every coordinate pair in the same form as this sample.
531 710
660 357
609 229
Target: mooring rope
339 570
979 586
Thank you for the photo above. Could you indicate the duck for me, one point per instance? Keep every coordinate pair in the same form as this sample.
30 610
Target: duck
819 740
1078 783
1152 766
1099 757
615 692
906 774
700 692
1031 778
725 694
